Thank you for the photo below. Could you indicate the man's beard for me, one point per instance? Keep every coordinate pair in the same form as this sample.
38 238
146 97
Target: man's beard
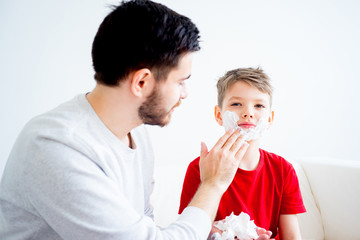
152 112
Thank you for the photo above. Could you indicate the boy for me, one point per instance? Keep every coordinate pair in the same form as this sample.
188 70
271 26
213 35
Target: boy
265 186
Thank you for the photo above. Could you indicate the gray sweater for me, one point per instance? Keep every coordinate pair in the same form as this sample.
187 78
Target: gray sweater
69 177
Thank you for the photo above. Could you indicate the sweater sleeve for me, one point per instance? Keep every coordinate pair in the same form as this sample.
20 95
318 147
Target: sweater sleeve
78 201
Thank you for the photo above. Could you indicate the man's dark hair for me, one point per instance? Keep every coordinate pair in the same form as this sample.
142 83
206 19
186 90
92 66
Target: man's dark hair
141 34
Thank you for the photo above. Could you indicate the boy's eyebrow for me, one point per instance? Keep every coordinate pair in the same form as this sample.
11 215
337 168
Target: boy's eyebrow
241 98
185 77
234 97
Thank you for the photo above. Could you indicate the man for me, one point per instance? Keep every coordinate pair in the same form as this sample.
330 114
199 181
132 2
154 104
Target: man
84 170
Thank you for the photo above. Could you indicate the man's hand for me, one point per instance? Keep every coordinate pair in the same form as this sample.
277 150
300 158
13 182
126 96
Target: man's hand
217 170
218 167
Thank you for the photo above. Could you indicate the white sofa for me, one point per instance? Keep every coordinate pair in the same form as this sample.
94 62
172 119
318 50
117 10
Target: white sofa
330 190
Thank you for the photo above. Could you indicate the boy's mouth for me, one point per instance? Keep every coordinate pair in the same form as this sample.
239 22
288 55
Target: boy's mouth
251 131
246 125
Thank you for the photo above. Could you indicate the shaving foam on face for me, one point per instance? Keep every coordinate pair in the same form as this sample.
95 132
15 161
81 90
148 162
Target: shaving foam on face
230 120
236 226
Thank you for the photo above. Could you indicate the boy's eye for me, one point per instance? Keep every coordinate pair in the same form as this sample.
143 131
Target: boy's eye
259 106
235 104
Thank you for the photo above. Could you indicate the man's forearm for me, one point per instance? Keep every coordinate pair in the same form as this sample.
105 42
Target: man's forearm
207 198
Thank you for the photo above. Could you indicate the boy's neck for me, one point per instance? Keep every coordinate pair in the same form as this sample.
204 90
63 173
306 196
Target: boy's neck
251 158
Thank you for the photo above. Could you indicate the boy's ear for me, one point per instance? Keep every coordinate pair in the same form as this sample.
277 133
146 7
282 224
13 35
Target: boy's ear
218 116
271 118
142 82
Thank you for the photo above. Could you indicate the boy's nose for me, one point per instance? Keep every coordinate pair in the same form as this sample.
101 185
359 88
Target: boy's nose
247 115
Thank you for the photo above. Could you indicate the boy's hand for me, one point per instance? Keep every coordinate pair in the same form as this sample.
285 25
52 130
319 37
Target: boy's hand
218 167
213 232
263 234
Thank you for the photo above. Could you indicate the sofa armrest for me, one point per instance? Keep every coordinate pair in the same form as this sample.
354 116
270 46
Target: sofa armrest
310 223
335 184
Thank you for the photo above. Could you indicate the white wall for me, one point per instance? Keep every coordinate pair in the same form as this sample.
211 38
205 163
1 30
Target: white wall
309 48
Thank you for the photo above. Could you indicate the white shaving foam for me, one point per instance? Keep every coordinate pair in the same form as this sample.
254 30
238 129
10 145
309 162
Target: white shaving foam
230 120
236 226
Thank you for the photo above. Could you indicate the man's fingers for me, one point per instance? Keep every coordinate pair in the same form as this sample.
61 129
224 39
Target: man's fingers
241 152
237 144
220 143
232 139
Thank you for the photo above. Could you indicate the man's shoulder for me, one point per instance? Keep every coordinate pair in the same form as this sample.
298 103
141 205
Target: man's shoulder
68 110
65 120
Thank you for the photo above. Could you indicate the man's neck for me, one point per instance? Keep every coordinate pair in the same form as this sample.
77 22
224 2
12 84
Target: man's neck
116 109
251 158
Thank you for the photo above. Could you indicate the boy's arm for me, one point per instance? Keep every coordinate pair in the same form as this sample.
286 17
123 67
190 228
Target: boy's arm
289 227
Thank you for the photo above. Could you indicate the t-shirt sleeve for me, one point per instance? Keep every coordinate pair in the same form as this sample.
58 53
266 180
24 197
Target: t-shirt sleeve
190 185
291 201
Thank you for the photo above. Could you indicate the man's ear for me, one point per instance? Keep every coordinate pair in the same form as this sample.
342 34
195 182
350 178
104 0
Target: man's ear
142 82
218 116
271 118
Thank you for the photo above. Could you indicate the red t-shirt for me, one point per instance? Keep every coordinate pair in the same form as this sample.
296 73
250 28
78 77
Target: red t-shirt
264 193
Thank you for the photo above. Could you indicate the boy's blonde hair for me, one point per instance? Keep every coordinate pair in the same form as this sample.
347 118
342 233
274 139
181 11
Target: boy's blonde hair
255 77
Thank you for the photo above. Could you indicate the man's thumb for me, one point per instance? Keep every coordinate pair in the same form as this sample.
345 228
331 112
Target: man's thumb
204 150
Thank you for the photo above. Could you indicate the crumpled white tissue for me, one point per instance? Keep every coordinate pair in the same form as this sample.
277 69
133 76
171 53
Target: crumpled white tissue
236 226
230 120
